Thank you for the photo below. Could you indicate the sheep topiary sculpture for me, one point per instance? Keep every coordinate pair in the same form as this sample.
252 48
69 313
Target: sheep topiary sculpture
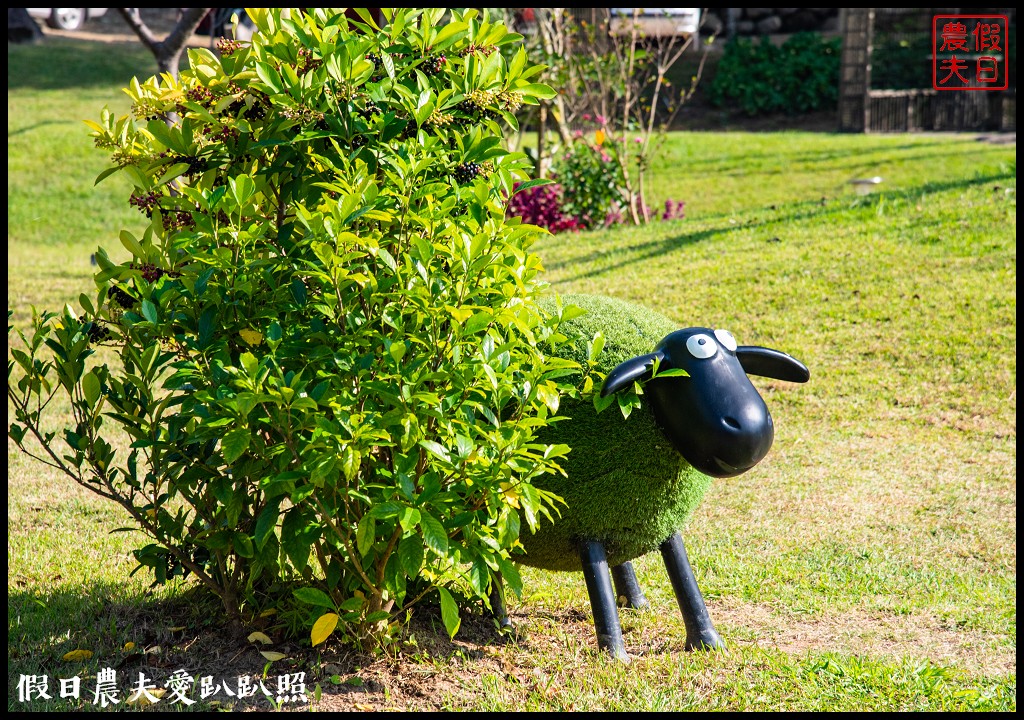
632 483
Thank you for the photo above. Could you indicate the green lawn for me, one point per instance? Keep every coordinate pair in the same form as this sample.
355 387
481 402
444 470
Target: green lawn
869 562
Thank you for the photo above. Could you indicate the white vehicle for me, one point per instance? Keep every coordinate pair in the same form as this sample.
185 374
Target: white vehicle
655 21
67 18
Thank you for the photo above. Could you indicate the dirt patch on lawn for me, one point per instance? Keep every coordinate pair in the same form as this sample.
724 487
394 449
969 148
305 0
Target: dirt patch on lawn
874 635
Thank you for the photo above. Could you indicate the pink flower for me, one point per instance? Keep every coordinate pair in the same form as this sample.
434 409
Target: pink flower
586 116
601 120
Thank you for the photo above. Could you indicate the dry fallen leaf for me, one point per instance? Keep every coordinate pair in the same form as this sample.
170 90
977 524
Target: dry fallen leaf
272 656
78 655
128 646
363 706
260 637
141 700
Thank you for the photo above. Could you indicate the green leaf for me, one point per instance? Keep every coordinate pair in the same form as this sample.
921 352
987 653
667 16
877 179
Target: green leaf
267 521
424 108
436 449
449 31
132 245
235 443
537 90
243 545
249 362
350 462
673 372
434 535
270 76
91 388
149 311
478 322
163 135
366 534
313 596
365 15
449 612
537 182
408 518
510 573
242 188
410 552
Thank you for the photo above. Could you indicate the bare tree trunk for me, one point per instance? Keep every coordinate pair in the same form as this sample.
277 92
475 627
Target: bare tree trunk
542 130
167 51
21 28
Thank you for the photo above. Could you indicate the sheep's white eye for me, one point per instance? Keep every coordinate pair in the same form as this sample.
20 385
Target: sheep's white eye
701 346
725 337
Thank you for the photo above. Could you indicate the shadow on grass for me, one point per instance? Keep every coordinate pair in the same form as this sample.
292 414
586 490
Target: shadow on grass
36 126
60 64
740 163
188 632
797 212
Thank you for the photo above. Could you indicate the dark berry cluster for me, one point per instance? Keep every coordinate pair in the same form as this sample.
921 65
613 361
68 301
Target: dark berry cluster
150 272
196 165
97 333
226 133
466 172
121 298
178 220
227 47
409 131
473 49
433 64
378 67
145 202
307 61
257 111
368 110
477 105
201 95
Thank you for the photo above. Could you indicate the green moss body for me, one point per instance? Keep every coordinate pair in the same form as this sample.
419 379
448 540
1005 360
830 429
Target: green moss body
627 487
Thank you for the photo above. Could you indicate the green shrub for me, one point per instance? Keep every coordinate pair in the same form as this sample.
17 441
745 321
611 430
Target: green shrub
593 187
901 63
801 75
328 342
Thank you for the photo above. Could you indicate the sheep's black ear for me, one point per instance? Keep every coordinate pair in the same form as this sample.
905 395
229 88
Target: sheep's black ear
771 363
623 374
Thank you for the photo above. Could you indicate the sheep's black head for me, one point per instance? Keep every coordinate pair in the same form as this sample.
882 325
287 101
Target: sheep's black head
713 415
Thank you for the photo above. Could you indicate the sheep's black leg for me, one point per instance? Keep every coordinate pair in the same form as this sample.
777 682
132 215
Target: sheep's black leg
700 632
627 588
498 609
602 599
